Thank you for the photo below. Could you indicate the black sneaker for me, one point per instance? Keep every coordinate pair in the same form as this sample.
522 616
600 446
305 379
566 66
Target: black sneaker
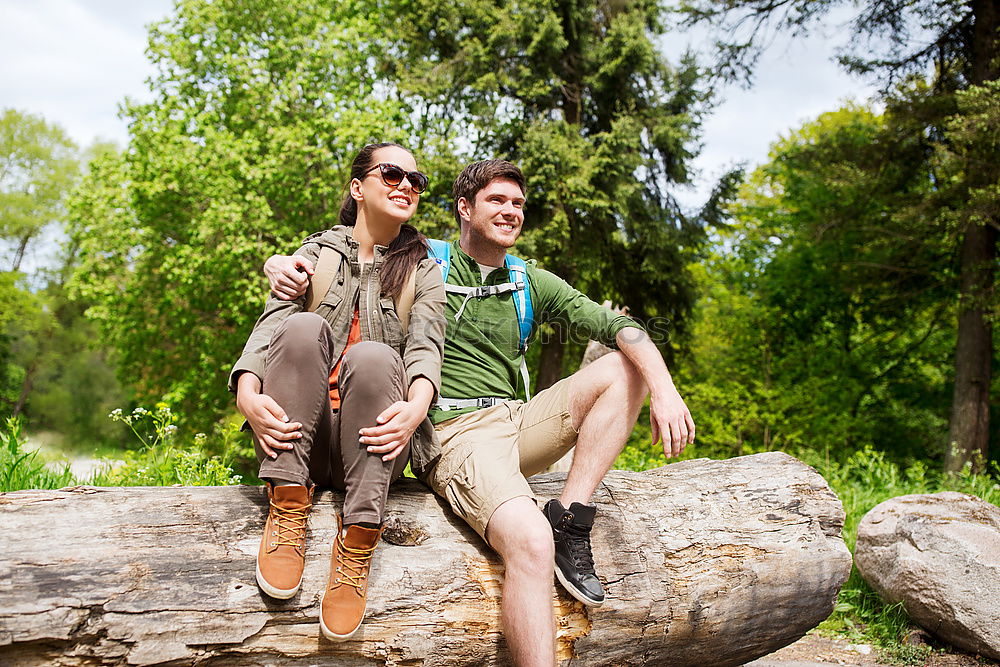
574 559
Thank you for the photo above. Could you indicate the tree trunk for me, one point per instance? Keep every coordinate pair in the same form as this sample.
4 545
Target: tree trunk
968 433
550 362
29 381
705 563
22 246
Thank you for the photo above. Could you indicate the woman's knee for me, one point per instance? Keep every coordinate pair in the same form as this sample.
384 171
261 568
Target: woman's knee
371 356
373 365
302 328
302 338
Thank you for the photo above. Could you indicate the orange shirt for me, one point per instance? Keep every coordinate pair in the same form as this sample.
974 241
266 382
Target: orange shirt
353 337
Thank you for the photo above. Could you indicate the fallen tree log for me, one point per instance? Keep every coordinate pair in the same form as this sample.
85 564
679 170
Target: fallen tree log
705 563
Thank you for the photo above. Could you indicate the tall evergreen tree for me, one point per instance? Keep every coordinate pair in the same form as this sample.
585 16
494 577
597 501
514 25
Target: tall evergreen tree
578 94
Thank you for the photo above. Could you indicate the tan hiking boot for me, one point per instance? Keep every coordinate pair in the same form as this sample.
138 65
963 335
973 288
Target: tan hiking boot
343 606
282 554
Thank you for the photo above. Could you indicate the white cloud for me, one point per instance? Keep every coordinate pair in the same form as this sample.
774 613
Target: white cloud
74 61
795 81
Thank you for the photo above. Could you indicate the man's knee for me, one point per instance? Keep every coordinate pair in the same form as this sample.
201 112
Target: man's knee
614 372
624 374
522 536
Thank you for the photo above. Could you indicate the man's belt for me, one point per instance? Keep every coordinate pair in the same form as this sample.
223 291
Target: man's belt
460 403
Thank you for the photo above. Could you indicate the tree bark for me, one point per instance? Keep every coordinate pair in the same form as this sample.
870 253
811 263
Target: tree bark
969 428
705 563
26 386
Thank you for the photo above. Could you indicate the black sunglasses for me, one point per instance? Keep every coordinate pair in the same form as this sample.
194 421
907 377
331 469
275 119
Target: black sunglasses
392 175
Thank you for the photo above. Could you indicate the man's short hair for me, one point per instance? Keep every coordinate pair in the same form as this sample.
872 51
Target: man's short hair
477 176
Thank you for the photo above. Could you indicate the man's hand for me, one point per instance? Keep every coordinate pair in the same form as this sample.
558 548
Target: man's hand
288 275
395 427
267 419
670 418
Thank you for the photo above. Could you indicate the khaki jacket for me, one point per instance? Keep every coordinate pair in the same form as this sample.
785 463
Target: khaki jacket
421 347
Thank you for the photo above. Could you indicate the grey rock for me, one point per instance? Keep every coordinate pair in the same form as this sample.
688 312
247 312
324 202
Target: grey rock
938 554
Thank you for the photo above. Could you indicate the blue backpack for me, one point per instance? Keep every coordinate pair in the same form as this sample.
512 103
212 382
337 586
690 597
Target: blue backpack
518 285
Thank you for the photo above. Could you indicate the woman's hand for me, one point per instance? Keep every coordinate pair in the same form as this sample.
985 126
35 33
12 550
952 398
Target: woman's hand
288 276
267 419
396 424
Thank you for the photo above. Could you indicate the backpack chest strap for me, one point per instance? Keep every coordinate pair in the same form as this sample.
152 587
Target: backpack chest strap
481 292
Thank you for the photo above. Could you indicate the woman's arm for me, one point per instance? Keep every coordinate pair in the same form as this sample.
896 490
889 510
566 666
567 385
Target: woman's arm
267 419
397 422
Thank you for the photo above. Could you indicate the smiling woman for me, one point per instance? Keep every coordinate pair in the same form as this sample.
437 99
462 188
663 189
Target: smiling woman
337 397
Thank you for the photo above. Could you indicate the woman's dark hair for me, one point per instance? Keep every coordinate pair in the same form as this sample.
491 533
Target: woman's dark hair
407 249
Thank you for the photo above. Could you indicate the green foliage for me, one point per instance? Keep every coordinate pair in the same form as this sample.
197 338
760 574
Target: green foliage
825 310
161 461
258 108
20 469
578 94
38 164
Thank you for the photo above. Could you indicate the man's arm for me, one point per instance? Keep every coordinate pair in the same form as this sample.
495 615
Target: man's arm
288 275
669 416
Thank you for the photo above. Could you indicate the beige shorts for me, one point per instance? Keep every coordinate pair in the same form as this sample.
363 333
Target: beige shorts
487 455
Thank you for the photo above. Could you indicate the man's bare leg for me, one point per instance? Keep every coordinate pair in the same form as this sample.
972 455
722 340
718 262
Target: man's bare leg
523 538
605 399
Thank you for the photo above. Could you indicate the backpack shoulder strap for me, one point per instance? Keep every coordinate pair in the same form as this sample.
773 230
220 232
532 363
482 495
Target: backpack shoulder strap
522 298
327 265
440 252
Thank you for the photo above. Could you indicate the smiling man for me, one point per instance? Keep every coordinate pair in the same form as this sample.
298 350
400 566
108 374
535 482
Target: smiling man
491 442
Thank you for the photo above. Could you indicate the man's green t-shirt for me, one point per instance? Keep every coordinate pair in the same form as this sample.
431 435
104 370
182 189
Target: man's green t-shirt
481 356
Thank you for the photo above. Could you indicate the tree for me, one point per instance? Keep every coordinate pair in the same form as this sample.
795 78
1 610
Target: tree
576 92
822 325
258 109
38 165
960 40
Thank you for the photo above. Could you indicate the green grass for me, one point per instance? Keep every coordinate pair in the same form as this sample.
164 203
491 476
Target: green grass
20 469
160 460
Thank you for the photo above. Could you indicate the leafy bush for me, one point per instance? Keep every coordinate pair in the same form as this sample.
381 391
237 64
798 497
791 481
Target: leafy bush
161 461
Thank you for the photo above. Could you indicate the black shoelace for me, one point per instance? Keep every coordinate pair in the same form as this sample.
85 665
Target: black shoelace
578 539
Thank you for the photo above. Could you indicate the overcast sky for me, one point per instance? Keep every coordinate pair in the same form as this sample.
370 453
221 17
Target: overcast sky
74 61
